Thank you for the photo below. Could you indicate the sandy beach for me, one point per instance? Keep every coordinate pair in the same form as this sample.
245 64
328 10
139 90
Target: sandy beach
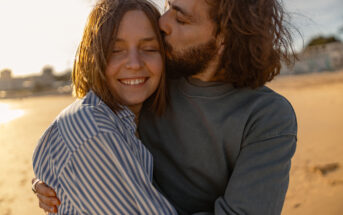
316 181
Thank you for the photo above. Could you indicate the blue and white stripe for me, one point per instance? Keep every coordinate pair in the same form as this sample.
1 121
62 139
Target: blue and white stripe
94 161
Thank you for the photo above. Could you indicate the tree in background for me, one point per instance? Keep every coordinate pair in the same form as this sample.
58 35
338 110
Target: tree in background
322 40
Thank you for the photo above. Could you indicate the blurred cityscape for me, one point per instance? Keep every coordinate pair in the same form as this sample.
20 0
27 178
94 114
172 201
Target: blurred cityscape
46 83
322 54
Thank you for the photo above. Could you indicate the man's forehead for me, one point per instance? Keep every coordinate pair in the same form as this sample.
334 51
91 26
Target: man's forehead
192 7
184 3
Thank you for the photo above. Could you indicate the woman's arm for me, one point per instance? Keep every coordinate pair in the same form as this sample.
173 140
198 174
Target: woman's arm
103 176
48 200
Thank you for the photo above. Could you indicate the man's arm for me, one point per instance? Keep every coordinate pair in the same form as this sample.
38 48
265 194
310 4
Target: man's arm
259 181
260 177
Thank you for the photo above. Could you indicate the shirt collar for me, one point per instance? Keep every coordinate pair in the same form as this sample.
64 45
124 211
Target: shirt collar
124 114
127 117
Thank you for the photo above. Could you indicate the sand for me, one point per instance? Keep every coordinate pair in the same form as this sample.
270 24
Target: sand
316 179
17 140
316 182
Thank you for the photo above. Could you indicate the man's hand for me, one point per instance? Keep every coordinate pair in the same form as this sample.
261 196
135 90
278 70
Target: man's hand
48 200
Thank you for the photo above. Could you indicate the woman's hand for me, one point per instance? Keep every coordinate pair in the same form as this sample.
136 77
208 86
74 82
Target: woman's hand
48 200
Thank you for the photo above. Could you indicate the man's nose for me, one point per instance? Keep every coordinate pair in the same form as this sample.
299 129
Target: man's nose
164 24
134 61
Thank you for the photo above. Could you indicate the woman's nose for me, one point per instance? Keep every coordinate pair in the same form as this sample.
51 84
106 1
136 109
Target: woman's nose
134 61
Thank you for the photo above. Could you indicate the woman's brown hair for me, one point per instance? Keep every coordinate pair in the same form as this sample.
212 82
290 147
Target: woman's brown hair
256 39
96 45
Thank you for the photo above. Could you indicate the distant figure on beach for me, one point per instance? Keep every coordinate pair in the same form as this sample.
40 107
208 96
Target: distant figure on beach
225 142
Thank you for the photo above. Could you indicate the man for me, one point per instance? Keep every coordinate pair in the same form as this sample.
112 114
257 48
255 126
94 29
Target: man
225 144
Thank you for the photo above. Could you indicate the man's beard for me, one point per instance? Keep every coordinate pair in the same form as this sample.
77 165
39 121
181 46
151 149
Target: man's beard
190 61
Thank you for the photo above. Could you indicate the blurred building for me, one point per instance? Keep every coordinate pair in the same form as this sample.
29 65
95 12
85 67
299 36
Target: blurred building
36 83
7 82
6 74
318 58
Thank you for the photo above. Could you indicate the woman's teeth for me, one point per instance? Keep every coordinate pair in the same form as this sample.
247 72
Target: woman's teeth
132 81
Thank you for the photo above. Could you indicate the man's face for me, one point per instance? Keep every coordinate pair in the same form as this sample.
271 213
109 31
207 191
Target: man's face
188 32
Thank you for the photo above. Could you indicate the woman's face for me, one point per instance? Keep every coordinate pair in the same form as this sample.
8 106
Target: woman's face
135 63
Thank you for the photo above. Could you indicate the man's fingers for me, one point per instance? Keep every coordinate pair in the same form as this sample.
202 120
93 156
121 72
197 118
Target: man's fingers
49 201
47 208
33 180
44 190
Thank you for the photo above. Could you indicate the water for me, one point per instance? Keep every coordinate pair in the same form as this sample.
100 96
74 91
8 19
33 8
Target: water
7 113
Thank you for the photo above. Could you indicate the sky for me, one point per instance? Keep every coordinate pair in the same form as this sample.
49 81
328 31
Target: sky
38 33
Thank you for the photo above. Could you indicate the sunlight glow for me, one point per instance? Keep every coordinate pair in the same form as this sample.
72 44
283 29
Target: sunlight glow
37 33
9 114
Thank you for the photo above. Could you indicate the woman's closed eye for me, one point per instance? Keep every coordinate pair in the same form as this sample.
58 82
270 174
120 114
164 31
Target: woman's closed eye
117 50
150 49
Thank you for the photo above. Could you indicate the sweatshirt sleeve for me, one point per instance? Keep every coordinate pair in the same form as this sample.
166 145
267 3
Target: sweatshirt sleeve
260 178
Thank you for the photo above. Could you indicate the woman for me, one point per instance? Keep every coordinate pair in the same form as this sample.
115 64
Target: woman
90 153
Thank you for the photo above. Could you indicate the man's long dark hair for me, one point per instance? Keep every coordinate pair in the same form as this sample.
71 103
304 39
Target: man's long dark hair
256 39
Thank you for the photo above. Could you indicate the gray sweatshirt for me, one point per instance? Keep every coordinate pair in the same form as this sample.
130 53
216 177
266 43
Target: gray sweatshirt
222 150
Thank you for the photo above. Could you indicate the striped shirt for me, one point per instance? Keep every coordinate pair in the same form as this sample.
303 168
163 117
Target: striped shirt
91 157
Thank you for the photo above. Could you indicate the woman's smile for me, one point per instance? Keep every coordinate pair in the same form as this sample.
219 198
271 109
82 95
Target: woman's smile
133 81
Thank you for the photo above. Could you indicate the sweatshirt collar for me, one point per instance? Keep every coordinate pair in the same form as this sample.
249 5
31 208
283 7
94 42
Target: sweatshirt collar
196 88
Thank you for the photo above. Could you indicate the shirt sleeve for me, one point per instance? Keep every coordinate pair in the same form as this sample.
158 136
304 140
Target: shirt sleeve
260 178
102 177
41 159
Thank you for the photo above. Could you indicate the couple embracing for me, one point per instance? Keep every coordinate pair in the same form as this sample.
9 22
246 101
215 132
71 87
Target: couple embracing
173 116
